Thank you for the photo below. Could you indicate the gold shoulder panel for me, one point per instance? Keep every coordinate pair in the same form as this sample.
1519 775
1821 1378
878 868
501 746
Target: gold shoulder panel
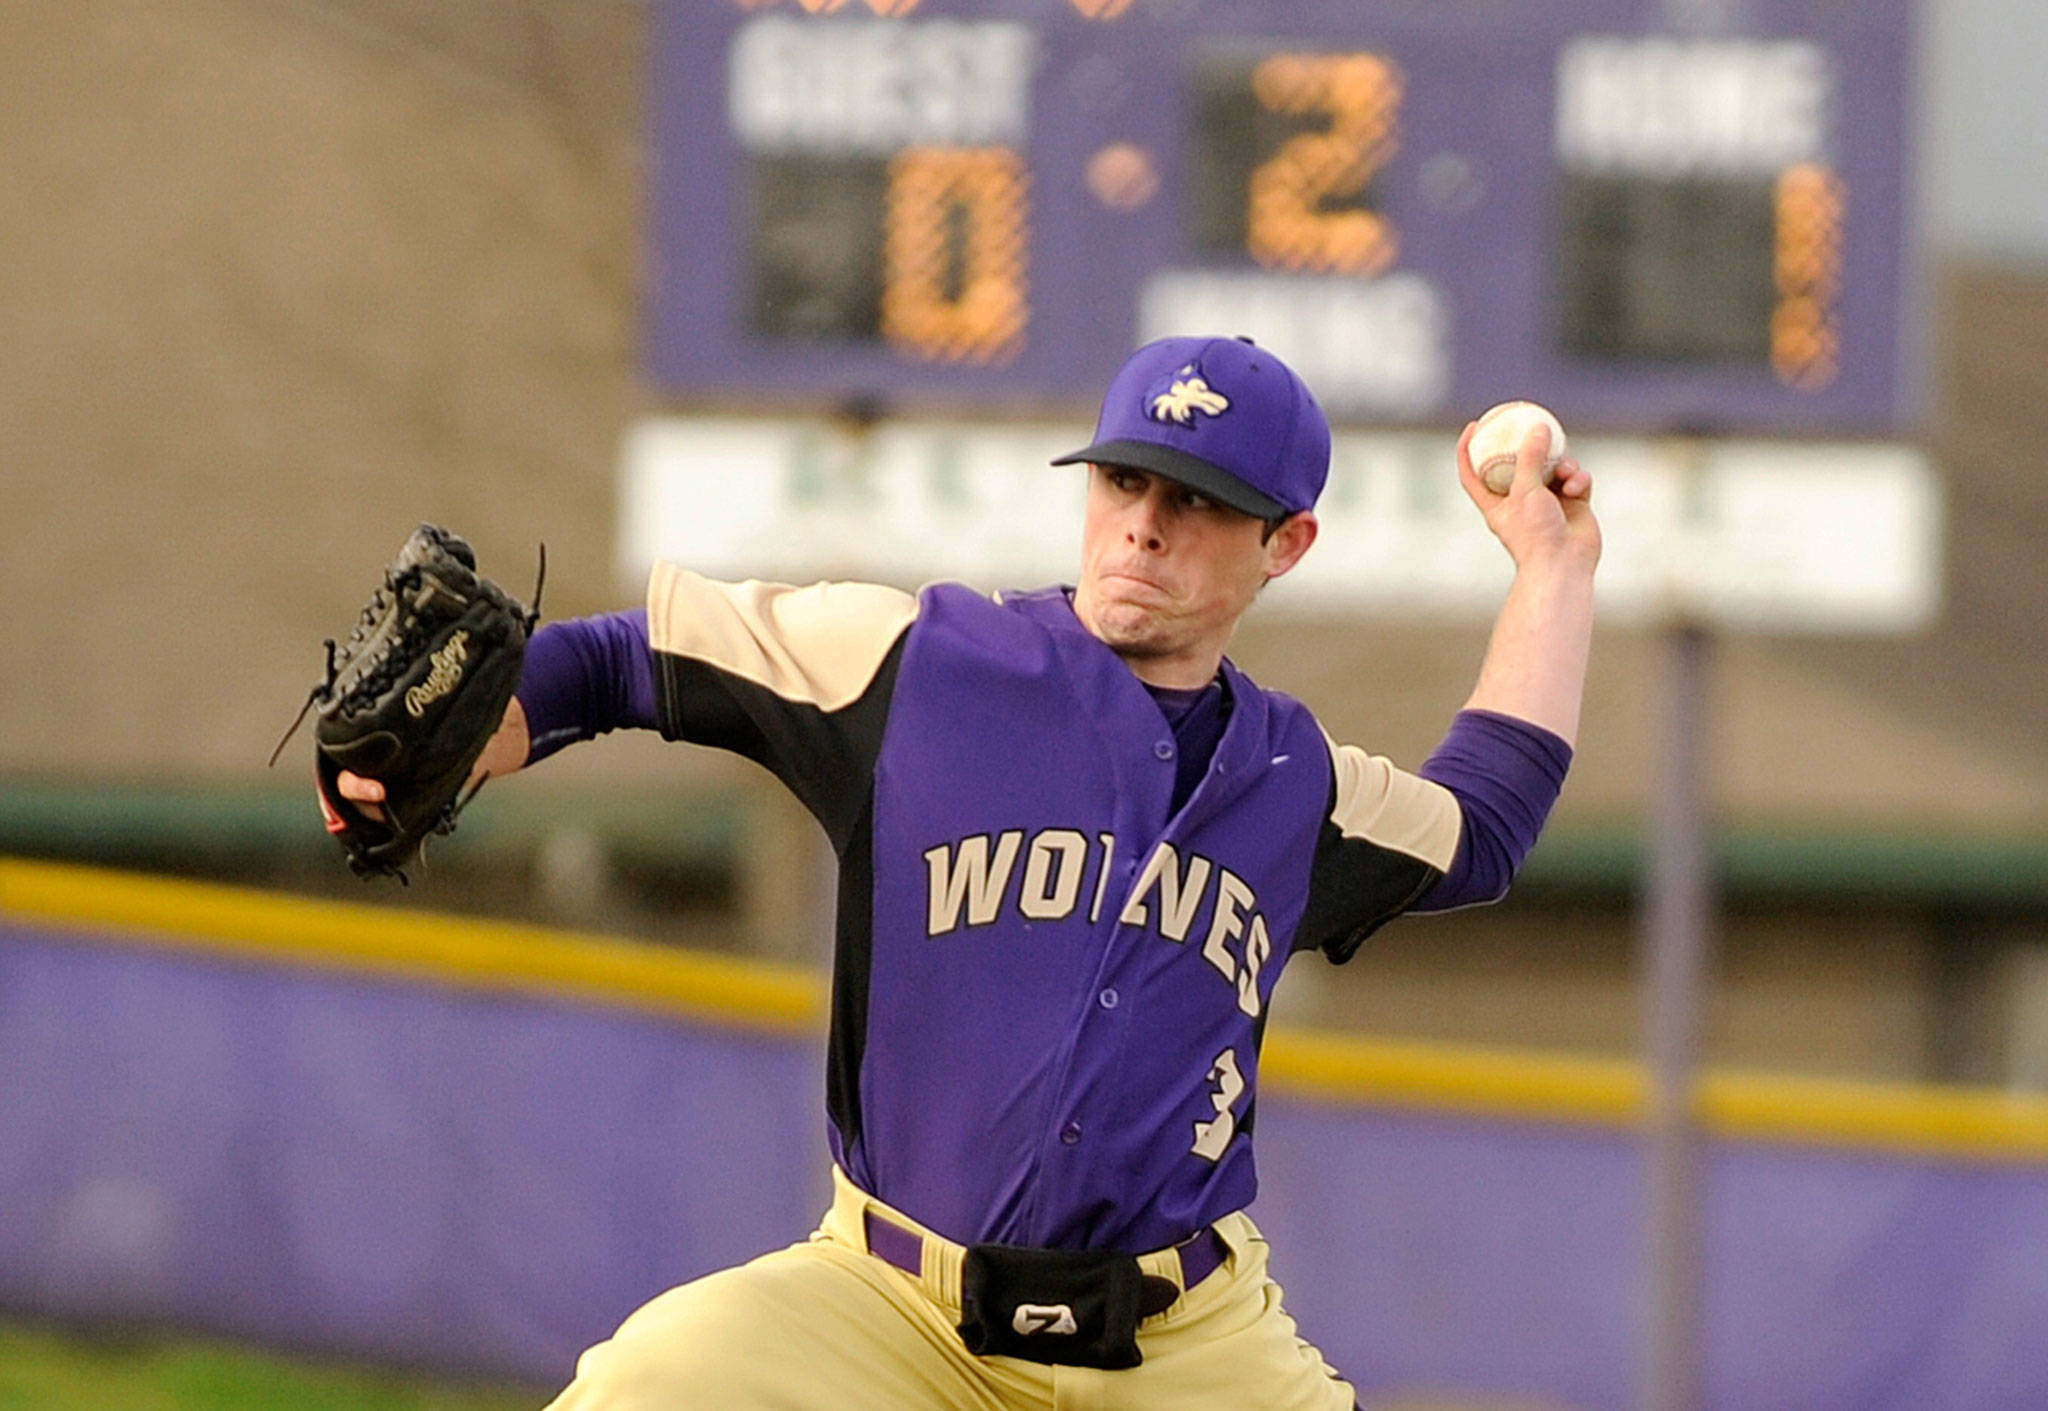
1392 808
819 645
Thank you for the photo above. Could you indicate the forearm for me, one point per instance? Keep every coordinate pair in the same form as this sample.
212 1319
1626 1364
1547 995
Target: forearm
582 678
1535 666
507 750
1505 774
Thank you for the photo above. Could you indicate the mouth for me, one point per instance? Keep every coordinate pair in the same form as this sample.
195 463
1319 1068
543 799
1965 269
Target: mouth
1125 576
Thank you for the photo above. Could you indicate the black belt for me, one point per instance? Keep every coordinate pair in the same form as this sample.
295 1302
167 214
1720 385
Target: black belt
1200 1256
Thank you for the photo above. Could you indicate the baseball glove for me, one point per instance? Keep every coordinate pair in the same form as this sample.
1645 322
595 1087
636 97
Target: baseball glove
413 696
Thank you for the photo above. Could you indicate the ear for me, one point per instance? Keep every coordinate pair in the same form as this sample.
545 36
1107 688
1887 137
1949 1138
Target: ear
1289 542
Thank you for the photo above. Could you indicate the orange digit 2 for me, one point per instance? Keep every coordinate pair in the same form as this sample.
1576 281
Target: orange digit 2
1289 225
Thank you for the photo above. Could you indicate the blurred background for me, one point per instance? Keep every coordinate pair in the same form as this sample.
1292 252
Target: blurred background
813 289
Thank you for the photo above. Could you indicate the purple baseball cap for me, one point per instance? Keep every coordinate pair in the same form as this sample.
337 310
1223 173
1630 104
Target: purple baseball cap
1221 416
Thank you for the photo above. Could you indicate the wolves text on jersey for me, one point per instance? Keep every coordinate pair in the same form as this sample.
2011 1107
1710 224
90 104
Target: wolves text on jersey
969 883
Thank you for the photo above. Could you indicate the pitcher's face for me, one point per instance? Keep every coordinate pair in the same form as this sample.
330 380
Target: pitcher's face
1166 571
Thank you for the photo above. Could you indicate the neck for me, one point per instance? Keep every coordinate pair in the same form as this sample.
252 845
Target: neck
1175 673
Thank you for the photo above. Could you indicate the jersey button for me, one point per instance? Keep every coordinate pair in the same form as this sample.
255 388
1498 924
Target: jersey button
1071 1134
1164 749
1109 998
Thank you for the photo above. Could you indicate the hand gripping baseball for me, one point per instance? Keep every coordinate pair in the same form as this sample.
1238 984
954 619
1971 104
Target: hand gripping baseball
1537 524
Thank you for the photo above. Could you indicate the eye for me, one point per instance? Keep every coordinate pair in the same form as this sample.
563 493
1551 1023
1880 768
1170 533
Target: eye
1129 481
1195 503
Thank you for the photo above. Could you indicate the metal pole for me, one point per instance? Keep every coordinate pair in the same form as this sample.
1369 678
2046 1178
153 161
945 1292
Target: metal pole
1675 941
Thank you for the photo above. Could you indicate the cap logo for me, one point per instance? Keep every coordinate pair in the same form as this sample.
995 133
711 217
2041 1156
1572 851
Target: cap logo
1184 396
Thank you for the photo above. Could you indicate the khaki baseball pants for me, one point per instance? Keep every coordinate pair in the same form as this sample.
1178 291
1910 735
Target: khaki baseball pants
827 1326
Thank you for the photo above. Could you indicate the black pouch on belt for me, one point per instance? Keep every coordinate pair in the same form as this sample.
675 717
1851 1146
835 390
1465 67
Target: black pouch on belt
1069 1308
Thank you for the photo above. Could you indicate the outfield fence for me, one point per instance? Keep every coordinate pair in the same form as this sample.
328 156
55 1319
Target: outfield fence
477 1145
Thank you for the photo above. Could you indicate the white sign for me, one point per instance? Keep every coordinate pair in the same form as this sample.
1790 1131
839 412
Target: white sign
1366 345
799 86
1669 107
1754 535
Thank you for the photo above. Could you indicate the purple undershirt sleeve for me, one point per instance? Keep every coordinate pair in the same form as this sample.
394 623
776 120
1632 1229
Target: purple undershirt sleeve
1506 774
585 676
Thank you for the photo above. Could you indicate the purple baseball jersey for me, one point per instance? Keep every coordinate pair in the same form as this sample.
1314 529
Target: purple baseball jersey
1050 983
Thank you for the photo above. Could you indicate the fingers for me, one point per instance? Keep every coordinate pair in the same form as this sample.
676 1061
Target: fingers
357 789
1569 480
1573 481
365 793
1532 460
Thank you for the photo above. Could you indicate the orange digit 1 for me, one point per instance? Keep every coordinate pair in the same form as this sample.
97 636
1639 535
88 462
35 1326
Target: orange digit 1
953 264
1287 225
1806 339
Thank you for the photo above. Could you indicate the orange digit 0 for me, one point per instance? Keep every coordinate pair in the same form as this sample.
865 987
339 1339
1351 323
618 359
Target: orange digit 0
953 280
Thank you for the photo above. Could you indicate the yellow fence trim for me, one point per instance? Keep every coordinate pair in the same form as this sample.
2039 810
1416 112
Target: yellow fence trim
1984 1123
462 950
1754 1107
1517 1086
1438 1076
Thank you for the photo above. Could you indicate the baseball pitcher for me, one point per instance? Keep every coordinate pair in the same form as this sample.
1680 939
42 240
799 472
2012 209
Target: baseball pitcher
1077 846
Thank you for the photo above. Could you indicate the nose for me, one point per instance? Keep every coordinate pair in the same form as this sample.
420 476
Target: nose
1146 529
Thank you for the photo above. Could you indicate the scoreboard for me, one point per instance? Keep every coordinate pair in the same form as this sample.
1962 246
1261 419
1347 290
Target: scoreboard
1651 214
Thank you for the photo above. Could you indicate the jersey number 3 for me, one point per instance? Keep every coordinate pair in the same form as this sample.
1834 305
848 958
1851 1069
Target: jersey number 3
1212 1137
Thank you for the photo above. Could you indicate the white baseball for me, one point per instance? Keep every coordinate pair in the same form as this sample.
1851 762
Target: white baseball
1499 438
